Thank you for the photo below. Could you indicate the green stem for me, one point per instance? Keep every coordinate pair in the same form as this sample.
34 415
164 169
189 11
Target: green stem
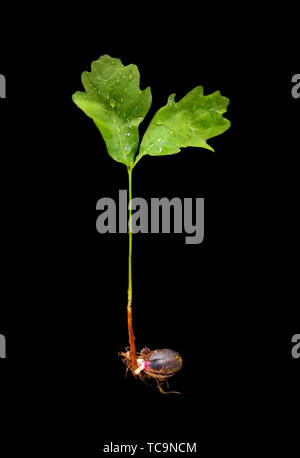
138 158
134 364
130 236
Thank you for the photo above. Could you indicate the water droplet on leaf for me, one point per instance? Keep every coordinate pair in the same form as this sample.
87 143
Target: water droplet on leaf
171 100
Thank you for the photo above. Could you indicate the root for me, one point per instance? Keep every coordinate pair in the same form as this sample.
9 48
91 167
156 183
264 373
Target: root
159 386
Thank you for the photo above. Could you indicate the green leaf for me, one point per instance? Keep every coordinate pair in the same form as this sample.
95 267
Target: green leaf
116 104
190 122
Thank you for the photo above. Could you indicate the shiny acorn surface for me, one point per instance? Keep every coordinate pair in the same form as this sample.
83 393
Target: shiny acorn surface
162 363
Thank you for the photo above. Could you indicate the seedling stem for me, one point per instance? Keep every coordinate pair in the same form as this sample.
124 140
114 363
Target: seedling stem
129 306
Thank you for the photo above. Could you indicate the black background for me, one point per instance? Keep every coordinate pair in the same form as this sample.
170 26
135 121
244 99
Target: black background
227 305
